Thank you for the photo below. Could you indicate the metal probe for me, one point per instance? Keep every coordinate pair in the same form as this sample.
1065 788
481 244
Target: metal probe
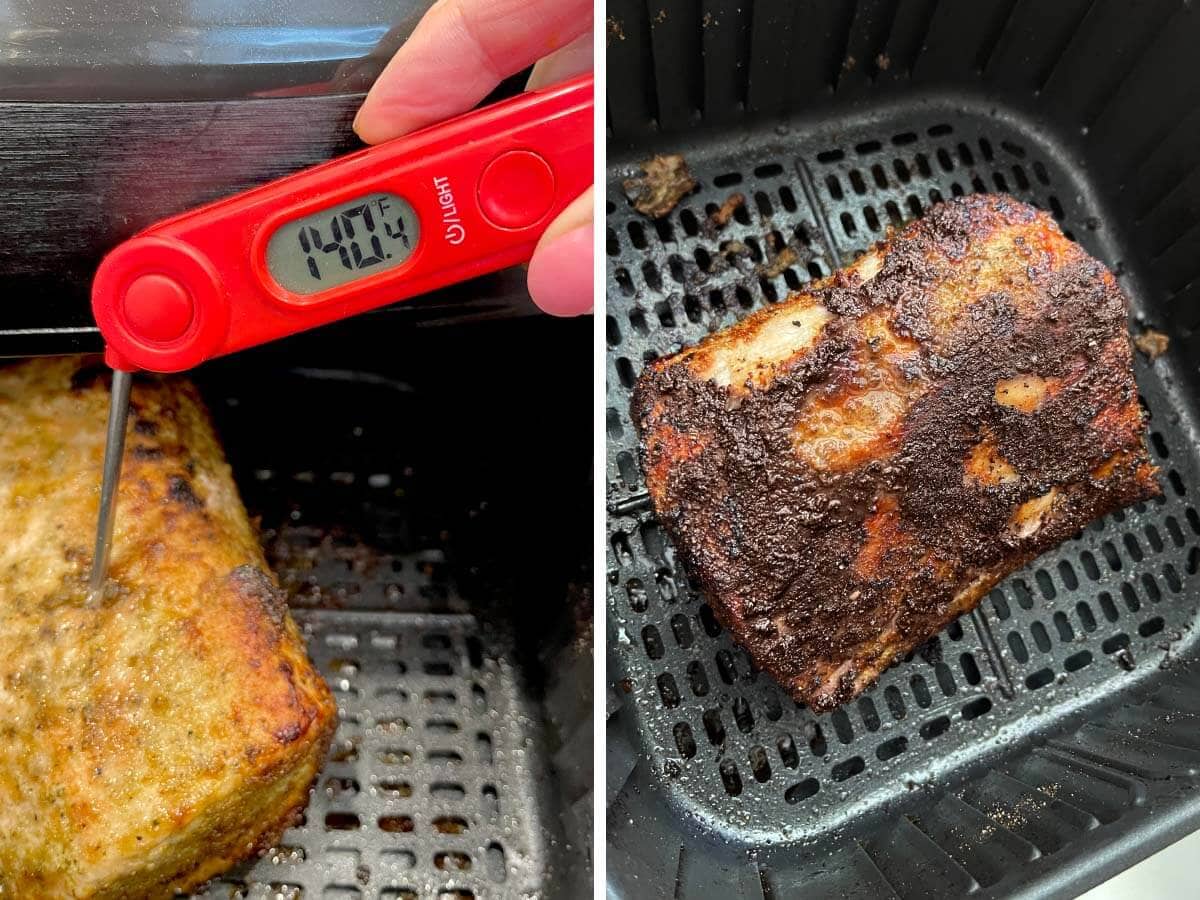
114 450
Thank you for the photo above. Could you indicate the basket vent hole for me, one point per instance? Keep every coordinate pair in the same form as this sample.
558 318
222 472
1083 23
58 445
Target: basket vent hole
759 764
1040 636
1066 633
726 666
848 225
1172 578
341 821
1087 618
730 777
980 706
1024 597
828 156
802 791
1151 626
450 825
935 727
895 702
841 726
1077 661
816 739
970 669
491 802
341 787
1039 679
711 626
444 757
668 690
920 691
834 186
625 372
848 768
772 707
398 859
456 894
483 747
729 179
394 788
653 643
495 863
452 861
742 715
684 740
788 754
1017 645
627 467
868 713
612 245
447 790
713 727
1175 531
653 279
612 332
1000 605
1107 606
892 748
954 630
945 679
1132 603
697 678
634 589
682 630
637 234
398 894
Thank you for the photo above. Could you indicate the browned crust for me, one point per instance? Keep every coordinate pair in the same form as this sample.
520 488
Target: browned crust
977 333
152 737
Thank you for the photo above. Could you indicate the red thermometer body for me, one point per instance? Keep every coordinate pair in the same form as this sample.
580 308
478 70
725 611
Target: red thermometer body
457 200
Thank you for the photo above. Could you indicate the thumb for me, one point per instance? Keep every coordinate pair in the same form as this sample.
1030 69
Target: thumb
560 272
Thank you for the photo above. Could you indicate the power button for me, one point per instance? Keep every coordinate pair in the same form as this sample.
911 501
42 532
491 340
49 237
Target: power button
516 189
158 308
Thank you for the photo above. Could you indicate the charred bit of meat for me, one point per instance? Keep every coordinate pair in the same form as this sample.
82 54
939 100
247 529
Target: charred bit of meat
664 182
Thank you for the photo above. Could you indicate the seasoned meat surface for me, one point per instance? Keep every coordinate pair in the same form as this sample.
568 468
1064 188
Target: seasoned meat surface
151 737
848 471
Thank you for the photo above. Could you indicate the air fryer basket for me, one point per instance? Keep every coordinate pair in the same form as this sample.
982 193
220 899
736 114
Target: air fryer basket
390 468
1050 738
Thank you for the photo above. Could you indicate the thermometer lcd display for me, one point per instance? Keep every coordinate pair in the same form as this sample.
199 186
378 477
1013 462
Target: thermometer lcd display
335 246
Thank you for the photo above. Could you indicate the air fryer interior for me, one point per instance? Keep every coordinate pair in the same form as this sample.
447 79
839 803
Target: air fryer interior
399 477
1047 739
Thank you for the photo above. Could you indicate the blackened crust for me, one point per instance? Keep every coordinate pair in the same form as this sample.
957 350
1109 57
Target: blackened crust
826 573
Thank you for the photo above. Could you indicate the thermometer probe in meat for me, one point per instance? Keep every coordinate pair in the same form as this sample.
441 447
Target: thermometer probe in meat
445 204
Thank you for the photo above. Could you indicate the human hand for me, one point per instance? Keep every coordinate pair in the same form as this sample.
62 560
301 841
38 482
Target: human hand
454 58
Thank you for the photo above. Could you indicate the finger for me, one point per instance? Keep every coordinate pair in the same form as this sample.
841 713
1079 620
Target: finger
560 273
458 53
573 59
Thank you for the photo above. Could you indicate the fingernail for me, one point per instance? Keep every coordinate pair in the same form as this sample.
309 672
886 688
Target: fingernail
560 274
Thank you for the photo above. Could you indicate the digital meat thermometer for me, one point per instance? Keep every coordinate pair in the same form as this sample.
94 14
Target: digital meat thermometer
451 202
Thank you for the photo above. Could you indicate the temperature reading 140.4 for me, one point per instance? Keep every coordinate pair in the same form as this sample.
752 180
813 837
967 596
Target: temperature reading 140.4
353 240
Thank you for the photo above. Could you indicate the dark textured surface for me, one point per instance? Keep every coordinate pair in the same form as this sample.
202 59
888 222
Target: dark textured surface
923 787
827 549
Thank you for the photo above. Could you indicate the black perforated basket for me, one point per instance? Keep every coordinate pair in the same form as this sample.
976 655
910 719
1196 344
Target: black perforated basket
1050 738
386 467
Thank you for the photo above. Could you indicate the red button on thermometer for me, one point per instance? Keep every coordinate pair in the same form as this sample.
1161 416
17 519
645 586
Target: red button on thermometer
445 204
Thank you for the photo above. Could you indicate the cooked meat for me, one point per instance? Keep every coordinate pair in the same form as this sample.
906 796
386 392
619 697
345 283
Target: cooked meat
151 738
850 470
665 180
1151 343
